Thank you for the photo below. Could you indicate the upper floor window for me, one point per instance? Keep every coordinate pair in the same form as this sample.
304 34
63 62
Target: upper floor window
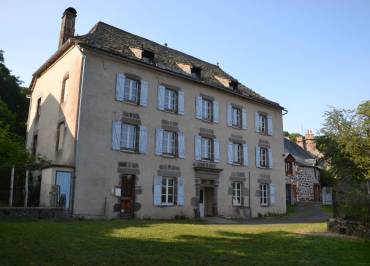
129 137
238 153
65 89
169 143
132 90
196 72
60 136
34 144
237 116
38 108
170 99
237 193
131 93
288 168
147 56
263 157
207 149
207 109
263 123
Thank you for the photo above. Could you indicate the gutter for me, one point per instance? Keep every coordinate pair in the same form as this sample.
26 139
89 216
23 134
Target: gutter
77 132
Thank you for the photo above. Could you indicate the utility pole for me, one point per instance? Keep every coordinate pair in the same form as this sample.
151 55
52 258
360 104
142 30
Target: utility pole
26 189
11 188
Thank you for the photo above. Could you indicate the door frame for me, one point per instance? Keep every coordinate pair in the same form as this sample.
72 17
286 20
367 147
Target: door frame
129 199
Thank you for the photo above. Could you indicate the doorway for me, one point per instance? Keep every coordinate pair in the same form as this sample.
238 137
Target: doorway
288 188
127 195
206 200
63 187
316 192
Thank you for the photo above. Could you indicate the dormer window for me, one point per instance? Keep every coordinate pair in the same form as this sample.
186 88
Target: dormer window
195 72
234 85
147 56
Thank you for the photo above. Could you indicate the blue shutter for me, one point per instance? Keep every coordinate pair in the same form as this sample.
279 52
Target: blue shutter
245 155
198 107
181 103
244 119
144 93
158 141
143 139
120 87
258 156
215 112
216 148
230 153
229 115
161 90
270 158
269 125
116 135
197 147
257 122
181 142
157 190
180 191
272 194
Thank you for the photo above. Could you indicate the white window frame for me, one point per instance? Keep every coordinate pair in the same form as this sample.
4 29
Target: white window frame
236 117
262 123
165 191
169 143
206 149
237 153
170 100
131 92
237 193
264 158
125 130
264 194
207 109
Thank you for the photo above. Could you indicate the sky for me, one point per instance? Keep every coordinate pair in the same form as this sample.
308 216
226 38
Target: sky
305 55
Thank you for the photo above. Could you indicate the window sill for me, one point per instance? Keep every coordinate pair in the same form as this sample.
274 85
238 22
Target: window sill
169 156
129 103
237 206
166 205
238 128
170 112
207 121
238 164
130 151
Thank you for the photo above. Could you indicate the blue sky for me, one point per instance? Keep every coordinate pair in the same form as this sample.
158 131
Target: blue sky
306 55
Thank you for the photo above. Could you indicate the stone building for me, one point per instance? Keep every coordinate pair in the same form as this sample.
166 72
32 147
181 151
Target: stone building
301 173
135 128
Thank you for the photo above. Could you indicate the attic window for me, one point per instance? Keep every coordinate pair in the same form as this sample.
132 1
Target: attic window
147 56
195 71
234 85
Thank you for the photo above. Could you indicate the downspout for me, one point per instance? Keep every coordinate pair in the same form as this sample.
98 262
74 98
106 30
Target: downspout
80 95
249 190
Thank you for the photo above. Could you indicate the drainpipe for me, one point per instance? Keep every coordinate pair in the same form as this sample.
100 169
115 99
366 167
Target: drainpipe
80 95
249 190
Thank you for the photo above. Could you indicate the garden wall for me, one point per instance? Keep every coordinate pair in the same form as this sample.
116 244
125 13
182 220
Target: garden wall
348 227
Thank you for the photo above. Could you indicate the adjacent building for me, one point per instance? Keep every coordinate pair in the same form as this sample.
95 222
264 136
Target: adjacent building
135 128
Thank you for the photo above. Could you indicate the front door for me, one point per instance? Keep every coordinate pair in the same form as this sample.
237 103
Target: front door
63 184
316 192
201 202
288 188
128 195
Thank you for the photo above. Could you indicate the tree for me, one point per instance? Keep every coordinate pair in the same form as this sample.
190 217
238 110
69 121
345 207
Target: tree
292 136
345 145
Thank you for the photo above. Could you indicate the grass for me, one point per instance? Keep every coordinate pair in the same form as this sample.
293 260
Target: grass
327 208
136 242
290 209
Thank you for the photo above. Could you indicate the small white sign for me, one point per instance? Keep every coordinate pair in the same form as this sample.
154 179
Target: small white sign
117 191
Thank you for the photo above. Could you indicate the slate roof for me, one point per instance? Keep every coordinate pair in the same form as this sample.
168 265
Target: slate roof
301 156
107 38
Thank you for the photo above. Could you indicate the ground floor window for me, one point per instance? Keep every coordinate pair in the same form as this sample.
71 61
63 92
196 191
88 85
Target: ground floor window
168 191
63 185
264 194
237 193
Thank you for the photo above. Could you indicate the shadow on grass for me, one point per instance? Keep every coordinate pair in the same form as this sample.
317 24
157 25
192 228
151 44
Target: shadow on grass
167 243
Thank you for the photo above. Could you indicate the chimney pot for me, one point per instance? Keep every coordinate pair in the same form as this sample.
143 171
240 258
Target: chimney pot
67 29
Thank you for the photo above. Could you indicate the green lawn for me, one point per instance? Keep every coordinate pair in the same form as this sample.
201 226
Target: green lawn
173 243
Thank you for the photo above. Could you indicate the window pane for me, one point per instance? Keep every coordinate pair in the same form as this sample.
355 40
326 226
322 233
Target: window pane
128 136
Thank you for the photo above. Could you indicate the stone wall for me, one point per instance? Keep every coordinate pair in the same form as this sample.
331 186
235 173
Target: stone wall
348 227
34 212
305 179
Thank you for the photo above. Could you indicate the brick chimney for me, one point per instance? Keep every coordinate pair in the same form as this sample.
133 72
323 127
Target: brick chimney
301 141
67 29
